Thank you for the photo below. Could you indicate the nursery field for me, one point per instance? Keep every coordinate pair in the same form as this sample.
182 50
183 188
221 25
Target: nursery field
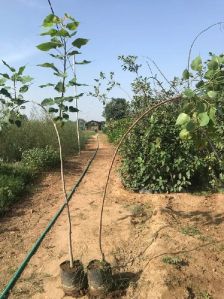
167 246
135 211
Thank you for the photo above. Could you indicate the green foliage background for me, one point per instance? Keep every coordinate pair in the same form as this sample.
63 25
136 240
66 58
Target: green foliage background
29 150
180 147
38 134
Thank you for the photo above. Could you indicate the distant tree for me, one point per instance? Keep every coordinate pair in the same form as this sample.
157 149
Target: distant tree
116 109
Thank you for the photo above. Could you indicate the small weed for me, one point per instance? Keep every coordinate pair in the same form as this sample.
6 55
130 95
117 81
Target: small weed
140 213
11 271
172 281
138 210
190 231
205 295
175 261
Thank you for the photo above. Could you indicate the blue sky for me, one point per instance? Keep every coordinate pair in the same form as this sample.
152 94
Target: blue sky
162 30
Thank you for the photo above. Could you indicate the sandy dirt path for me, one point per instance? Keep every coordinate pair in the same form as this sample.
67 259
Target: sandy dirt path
173 245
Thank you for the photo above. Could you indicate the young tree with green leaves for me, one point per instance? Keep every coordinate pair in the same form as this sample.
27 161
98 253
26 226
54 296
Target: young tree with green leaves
117 108
13 86
61 47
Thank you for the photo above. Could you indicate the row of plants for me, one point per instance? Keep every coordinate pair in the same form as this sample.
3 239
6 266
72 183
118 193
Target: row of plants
38 134
29 150
16 178
179 147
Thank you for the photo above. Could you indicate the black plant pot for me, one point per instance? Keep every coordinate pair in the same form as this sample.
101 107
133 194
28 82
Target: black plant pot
100 279
74 280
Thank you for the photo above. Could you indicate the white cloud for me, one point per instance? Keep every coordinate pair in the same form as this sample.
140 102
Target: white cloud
17 50
18 56
33 3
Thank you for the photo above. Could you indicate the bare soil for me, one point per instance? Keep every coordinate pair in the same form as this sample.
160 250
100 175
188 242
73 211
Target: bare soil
161 246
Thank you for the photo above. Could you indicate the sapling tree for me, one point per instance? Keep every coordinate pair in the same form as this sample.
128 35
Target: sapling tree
13 85
61 47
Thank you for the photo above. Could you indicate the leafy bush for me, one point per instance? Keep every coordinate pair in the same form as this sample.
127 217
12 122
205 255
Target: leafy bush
180 147
157 160
40 158
13 181
115 129
17 169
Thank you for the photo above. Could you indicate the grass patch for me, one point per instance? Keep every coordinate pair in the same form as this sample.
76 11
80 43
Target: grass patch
140 213
190 231
175 261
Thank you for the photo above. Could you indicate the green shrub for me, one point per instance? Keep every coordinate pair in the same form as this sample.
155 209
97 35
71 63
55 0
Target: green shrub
14 179
40 158
115 129
17 170
157 160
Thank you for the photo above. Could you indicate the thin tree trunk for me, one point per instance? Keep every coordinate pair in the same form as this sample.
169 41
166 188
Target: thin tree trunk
66 200
77 113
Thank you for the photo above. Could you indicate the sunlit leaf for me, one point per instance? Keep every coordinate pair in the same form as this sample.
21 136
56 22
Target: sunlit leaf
79 42
182 119
212 114
188 93
184 134
51 20
49 65
212 94
21 70
25 79
47 102
24 88
73 25
73 53
213 64
196 64
203 119
2 81
51 32
186 74
49 45
60 87
62 32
